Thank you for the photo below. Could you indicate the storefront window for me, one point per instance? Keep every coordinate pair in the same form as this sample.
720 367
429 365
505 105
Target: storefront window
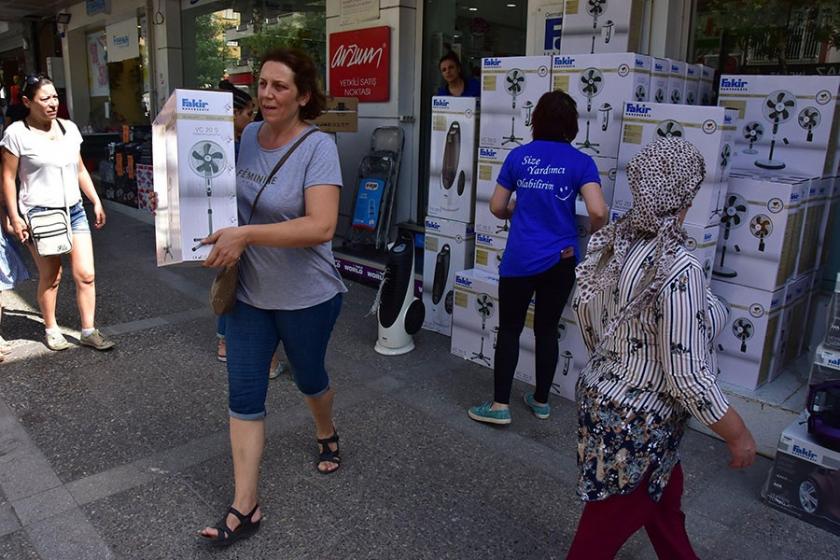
472 30
229 38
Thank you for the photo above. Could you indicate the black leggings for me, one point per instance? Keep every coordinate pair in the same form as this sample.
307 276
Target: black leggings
552 288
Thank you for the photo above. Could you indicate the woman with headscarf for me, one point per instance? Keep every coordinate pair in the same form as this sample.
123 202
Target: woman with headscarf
649 321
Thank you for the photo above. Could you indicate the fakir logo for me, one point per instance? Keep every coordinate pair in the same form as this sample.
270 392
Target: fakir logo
432 225
733 83
637 109
484 238
442 103
461 281
194 104
640 63
346 56
487 153
564 61
804 453
492 62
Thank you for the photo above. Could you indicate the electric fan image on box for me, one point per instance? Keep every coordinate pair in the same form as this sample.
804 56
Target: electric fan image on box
809 119
690 98
591 83
486 307
753 131
514 85
449 172
208 162
596 8
606 111
734 212
640 93
440 276
399 312
659 95
777 108
761 227
669 129
676 96
743 330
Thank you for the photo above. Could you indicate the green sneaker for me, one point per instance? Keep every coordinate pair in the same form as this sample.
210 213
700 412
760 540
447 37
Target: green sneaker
96 340
56 342
541 411
482 413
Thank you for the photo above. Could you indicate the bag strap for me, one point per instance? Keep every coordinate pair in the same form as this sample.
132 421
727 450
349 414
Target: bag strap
278 166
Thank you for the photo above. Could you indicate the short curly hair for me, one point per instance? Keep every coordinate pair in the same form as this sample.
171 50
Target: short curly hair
555 117
306 78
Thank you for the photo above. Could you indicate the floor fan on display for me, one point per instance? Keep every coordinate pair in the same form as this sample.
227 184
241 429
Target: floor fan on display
486 307
514 85
449 172
761 227
753 132
440 277
208 162
595 8
399 312
778 108
734 212
590 85
809 119
743 330
669 129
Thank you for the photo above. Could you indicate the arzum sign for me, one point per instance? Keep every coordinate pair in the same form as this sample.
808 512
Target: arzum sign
359 64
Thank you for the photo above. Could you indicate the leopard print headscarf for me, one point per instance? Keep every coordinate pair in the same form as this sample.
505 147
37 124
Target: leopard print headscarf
664 178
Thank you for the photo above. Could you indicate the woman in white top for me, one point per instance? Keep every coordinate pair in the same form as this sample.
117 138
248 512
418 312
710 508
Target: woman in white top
43 152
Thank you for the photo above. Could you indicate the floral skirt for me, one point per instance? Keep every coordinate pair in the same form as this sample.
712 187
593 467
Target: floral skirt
618 445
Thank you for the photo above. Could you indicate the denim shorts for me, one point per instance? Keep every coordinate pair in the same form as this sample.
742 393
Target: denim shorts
78 218
252 335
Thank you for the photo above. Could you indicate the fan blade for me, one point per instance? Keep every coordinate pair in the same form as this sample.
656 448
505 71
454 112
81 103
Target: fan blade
741 208
206 149
213 166
217 155
196 155
770 104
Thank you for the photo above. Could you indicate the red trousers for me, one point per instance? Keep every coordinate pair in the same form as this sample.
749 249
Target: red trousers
607 524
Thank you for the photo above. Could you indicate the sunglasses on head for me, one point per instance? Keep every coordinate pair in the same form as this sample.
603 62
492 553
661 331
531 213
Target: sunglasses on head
34 79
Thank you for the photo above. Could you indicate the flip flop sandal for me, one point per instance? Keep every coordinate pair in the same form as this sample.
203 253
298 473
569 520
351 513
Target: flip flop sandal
328 455
225 536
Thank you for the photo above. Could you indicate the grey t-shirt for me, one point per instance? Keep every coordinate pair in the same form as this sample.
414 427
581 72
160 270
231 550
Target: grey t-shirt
285 278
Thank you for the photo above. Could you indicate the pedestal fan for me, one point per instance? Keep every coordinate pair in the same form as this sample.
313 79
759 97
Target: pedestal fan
591 83
778 108
640 93
514 86
486 307
743 330
208 162
596 8
753 131
734 212
761 227
809 119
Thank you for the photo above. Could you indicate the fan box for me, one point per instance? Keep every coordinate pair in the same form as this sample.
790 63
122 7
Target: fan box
760 228
475 319
600 84
707 85
194 174
831 215
601 27
826 366
813 232
489 165
804 478
448 247
709 129
700 242
452 158
489 249
676 83
607 169
786 123
693 74
659 80
510 89
748 347
797 302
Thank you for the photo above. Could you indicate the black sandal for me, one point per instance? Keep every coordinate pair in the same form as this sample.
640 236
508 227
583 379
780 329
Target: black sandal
225 536
327 455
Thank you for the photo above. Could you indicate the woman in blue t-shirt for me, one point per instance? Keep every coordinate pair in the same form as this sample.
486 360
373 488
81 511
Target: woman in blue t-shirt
541 253
457 85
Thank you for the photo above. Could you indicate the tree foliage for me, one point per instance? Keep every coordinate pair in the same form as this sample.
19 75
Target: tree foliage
210 50
301 30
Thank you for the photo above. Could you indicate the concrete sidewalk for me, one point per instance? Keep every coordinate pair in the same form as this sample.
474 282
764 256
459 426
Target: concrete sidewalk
125 454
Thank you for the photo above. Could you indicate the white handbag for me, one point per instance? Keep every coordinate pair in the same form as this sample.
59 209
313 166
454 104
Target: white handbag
50 229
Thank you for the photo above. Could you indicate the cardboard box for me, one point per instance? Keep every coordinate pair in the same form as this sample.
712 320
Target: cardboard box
659 80
748 347
510 89
607 169
448 248
805 478
831 217
490 162
826 366
786 122
760 227
693 74
813 234
601 27
676 82
340 115
708 128
796 312
475 320
707 85
452 158
600 84
195 178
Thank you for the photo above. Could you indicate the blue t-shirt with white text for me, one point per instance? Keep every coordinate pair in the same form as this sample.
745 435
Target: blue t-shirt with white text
546 177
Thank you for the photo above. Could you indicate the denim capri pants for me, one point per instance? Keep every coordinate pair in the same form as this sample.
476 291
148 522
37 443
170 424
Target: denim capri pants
252 335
